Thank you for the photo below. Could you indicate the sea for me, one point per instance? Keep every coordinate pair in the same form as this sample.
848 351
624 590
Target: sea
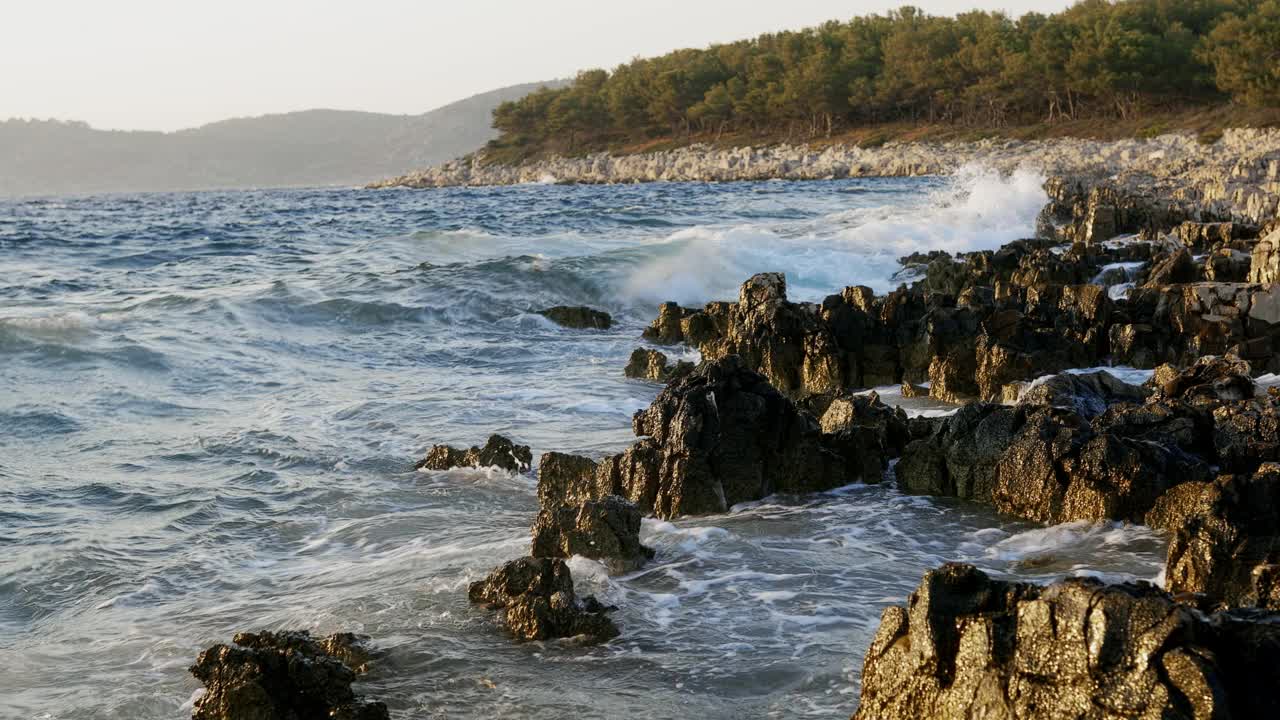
211 405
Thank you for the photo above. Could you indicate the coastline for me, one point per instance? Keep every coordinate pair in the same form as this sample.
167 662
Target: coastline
1235 178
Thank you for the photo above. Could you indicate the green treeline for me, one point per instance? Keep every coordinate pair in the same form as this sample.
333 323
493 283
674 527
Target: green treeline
1097 59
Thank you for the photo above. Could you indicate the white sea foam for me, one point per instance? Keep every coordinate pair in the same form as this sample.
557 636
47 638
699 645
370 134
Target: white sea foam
978 210
58 324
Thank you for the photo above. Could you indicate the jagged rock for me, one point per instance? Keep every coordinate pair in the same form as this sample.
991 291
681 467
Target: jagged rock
1247 433
866 433
1201 235
959 458
283 676
719 436
665 329
1227 265
578 317
498 452
648 364
607 530
1088 394
1175 269
1265 264
538 602
1053 465
1211 379
566 480
911 390
1060 468
968 646
1226 538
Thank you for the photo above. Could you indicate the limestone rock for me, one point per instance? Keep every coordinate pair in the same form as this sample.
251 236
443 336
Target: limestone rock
648 364
607 530
566 480
1211 379
1088 394
969 646
283 676
717 437
578 317
538 602
1265 264
866 433
665 329
498 452
1226 539
1174 269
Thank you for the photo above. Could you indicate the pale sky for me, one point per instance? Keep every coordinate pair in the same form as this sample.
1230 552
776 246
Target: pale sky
168 64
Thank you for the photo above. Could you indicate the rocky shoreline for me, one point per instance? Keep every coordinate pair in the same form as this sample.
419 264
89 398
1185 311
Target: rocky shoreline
1182 285
1236 176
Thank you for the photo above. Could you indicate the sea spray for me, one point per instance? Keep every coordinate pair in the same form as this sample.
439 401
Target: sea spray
976 209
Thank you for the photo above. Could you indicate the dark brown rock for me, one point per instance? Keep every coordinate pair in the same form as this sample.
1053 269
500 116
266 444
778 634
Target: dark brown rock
607 530
538 602
498 452
1053 465
1210 379
665 329
1177 268
866 433
959 458
566 480
1226 539
578 317
653 365
968 646
720 436
1088 394
283 676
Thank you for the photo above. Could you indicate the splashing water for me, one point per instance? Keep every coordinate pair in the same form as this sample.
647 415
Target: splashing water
214 401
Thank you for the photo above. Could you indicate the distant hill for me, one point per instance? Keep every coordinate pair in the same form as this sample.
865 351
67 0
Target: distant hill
311 147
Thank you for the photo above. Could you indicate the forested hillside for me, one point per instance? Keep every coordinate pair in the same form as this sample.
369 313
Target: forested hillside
1113 61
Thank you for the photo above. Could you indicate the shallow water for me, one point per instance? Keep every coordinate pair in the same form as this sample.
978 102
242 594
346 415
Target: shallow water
212 403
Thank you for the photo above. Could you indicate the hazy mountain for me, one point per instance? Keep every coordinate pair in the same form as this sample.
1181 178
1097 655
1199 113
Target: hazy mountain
311 147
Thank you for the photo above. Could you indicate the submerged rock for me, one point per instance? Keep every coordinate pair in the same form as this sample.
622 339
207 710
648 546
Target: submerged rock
648 364
537 601
578 317
498 452
607 530
283 676
969 646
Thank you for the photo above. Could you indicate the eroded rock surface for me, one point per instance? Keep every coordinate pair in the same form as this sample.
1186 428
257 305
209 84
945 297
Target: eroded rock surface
498 452
646 364
1226 539
717 437
537 602
1088 394
969 646
607 530
283 676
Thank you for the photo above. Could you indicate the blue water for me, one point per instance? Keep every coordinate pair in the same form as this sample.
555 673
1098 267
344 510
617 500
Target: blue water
211 403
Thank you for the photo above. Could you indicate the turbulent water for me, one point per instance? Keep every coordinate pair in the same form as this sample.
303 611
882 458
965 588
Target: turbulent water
212 404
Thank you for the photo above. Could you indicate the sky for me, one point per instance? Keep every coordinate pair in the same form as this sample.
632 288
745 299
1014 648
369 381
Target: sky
170 64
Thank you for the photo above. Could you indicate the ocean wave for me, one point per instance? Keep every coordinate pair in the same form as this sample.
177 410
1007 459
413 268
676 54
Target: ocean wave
978 210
